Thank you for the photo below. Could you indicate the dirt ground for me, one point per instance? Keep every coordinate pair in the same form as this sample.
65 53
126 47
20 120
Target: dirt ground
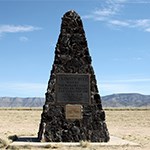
132 125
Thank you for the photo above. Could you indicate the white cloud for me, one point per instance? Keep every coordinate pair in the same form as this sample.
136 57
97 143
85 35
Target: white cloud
119 23
139 85
17 28
23 39
139 1
142 24
110 8
113 88
110 11
0 36
137 58
128 80
22 89
120 60
147 30
106 12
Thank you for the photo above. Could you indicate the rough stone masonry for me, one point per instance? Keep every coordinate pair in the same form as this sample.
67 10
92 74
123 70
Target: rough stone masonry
72 110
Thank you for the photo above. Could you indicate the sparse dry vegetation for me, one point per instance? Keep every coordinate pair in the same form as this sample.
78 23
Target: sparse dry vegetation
3 143
84 144
129 124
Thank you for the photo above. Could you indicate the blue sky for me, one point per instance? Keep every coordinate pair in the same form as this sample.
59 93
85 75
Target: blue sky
117 32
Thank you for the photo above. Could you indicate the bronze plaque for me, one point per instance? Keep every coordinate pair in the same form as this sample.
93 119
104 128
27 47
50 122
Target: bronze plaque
72 88
73 111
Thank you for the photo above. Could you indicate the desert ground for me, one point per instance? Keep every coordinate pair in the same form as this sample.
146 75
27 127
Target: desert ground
129 124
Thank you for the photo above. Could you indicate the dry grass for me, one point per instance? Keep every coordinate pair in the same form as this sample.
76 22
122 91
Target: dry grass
84 144
3 143
133 125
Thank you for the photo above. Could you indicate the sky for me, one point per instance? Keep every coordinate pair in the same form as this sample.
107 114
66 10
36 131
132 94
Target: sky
117 32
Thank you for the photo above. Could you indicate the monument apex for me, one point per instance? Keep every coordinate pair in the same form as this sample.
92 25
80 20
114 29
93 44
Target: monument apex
72 110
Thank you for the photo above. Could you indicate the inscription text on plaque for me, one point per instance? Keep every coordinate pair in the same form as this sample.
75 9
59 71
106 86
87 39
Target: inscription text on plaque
73 88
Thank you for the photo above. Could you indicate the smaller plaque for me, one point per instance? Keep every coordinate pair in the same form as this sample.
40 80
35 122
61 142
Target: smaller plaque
73 111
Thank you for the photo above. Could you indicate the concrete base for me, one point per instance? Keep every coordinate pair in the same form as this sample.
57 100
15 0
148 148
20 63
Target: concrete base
31 142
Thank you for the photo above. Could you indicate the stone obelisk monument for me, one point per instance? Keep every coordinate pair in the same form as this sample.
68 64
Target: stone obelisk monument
72 110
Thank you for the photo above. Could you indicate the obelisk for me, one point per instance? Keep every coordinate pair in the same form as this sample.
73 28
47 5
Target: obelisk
73 109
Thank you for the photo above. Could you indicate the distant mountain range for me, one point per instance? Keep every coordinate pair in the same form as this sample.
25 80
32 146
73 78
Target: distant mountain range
114 100
21 102
126 100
